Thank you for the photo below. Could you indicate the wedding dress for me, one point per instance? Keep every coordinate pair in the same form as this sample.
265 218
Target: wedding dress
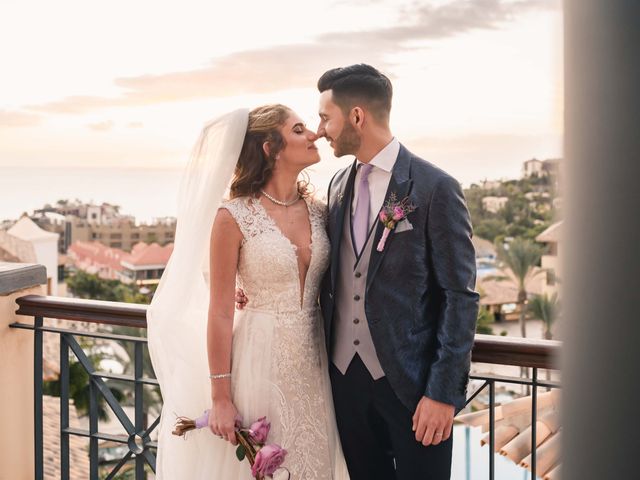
279 362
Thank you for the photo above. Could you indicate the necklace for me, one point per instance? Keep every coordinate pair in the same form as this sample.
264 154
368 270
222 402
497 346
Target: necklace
279 202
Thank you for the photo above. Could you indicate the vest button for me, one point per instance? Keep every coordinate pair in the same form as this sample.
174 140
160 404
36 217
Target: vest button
356 297
356 342
358 274
356 321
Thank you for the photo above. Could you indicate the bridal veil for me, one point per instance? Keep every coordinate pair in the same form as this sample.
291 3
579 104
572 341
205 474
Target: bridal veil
177 316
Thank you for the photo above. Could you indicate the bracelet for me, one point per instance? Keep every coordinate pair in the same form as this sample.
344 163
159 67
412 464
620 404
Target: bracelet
219 375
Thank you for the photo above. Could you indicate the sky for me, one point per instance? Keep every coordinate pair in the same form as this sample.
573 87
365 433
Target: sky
477 83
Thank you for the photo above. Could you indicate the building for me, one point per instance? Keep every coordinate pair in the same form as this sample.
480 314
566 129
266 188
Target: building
499 293
28 243
122 234
532 168
551 260
96 259
75 221
144 265
485 256
490 184
494 204
78 457
541 168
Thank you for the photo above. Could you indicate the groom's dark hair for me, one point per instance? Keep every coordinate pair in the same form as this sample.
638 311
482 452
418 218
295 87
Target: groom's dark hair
359 84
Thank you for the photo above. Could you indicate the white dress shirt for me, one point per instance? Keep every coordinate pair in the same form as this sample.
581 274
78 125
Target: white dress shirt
379 178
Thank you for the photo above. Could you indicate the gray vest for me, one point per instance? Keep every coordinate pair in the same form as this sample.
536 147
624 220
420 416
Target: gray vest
351 333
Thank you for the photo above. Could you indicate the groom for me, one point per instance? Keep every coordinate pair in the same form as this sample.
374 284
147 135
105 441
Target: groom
399 320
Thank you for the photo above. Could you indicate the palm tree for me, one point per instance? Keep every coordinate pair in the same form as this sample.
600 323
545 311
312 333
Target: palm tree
544 308
520 257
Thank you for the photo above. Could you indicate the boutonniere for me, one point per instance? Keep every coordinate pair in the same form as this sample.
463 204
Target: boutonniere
392 212
340 197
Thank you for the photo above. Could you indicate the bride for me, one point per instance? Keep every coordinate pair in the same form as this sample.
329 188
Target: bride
268 238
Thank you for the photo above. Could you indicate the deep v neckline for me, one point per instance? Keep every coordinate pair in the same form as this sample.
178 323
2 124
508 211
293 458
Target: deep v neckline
302 283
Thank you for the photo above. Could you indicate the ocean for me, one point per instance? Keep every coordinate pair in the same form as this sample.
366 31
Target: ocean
145 193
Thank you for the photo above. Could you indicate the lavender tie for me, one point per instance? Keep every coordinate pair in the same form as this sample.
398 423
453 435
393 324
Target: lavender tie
363 209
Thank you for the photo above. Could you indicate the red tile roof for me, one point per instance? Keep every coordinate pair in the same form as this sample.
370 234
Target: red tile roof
95 257
143 254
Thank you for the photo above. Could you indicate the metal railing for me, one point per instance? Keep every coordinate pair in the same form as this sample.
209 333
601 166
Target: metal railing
533 354
137 438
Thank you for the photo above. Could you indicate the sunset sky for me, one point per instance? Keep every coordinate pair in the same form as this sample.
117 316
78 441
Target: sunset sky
478 83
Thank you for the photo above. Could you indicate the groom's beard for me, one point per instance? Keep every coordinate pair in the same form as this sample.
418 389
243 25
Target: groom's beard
347 143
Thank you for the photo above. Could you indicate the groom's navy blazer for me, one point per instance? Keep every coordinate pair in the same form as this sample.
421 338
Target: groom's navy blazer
420 301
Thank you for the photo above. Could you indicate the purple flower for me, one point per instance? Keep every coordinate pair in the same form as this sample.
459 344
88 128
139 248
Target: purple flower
259 430
398 213
268 459
383 216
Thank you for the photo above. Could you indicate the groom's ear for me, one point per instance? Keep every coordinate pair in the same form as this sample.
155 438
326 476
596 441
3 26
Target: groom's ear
357 117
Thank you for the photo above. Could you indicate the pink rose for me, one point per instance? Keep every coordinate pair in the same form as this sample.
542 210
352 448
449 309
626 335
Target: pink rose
383 216
259 430
268 459
398 213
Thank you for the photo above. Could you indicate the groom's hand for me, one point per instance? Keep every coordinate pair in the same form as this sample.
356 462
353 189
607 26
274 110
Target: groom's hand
432 421
241 299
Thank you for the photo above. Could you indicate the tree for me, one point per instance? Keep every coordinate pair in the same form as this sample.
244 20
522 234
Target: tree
152 397
520 257
485 319
86 285
79 390
545 308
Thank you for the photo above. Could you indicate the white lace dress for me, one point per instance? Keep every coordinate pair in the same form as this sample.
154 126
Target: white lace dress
279 360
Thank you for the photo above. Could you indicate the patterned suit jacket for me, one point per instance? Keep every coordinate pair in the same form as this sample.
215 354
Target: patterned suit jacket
420 302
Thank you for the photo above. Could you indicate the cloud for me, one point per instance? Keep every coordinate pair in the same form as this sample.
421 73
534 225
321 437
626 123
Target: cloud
10 119
299 65
101 126
135 125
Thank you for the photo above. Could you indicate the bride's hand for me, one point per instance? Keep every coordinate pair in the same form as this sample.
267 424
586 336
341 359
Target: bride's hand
222 420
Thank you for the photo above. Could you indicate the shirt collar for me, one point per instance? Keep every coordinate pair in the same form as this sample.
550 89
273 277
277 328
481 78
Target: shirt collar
386 158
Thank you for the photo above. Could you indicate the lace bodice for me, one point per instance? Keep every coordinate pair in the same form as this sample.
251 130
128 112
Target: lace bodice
268 265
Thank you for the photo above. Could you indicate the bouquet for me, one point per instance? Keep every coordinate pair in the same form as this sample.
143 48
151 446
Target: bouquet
264 458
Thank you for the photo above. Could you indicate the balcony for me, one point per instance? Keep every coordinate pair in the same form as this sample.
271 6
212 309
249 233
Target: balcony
84 450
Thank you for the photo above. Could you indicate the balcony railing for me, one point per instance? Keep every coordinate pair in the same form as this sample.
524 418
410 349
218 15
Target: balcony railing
488 349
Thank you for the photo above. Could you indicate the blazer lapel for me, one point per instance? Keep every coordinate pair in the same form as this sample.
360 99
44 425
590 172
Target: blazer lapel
343 192
400 184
